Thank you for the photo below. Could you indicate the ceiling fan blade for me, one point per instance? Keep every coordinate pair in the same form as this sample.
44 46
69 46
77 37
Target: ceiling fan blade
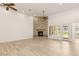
8 4
4 4
11 4
13 8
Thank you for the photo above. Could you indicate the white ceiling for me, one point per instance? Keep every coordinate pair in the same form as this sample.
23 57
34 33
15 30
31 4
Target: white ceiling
50 8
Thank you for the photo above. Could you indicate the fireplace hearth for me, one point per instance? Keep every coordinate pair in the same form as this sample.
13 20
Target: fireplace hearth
40 33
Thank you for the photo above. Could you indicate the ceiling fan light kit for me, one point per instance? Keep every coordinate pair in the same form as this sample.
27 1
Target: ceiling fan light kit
7 8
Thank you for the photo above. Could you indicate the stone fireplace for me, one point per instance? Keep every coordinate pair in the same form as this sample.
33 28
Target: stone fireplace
40 26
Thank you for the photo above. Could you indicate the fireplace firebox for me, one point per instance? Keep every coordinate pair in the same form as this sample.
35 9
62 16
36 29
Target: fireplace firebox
40 33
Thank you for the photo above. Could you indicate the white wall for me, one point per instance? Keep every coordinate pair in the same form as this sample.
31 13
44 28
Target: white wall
15 26
66 17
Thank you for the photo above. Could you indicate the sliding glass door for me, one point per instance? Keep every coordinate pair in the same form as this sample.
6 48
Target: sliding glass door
60 31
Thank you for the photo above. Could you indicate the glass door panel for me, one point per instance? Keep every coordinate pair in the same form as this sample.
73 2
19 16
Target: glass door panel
65 32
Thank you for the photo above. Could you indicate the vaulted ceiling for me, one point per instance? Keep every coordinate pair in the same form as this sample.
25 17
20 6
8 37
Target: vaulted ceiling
34 9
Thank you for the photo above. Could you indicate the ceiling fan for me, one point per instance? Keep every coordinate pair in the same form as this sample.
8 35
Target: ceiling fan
9 5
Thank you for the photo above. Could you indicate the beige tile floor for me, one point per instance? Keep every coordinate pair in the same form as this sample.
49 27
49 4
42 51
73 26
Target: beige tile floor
40 47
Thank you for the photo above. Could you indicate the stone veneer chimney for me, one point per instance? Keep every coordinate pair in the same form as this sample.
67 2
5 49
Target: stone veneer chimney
40 26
